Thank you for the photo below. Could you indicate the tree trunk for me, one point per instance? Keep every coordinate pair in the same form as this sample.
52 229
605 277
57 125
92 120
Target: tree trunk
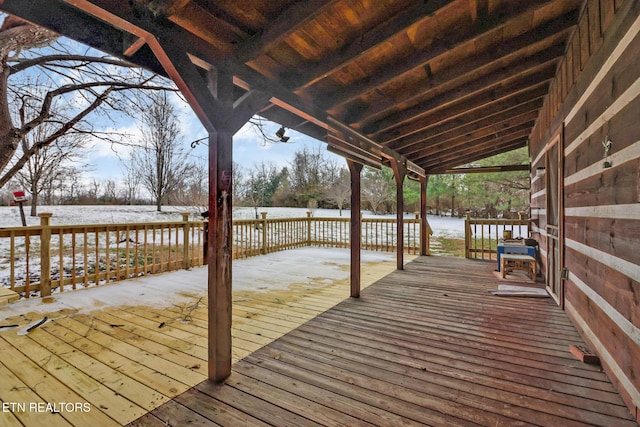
34 204
15 34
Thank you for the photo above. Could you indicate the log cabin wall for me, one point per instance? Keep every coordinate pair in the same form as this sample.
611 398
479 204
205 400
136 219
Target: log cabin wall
594 98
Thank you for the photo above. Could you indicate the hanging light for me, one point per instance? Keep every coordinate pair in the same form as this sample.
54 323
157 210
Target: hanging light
280 134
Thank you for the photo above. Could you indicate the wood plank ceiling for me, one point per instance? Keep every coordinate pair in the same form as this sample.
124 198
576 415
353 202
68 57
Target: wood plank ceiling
436 84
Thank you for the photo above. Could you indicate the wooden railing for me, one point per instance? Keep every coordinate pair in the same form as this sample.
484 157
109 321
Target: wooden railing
49 256
483 235
261 236
65 257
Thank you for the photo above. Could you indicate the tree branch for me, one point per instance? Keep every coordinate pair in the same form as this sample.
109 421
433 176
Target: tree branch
23 64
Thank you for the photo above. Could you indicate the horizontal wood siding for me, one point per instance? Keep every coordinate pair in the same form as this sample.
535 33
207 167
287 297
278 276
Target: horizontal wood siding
599 99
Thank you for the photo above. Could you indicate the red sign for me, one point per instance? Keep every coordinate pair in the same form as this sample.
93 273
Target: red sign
18 196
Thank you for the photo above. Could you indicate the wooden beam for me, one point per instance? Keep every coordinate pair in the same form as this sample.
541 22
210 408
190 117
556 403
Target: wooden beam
490 141
65 19
456 139
246 106
356 227
487 169
475 140
399 173
442 165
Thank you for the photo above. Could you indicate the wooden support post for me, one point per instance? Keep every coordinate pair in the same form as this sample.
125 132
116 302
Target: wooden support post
308 228
399 172
424 228
220 227
212 100
186 230
467 235
45 254
264 233
356 227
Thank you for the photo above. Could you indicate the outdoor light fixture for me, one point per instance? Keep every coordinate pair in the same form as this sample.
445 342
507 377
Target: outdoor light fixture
606 143
540 171
280 134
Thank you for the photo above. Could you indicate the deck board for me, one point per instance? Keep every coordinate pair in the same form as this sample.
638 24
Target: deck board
126 361
425 346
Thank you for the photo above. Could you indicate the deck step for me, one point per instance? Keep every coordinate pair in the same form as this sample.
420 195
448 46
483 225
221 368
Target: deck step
7 296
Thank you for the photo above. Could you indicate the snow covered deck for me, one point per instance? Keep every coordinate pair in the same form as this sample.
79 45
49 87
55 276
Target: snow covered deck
108 355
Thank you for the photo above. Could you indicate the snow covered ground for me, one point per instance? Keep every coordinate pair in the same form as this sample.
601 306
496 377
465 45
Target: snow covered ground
10 216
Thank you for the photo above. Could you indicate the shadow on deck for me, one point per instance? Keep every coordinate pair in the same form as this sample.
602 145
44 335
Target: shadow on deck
427 345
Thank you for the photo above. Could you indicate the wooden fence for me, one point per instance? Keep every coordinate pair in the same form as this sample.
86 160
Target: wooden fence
483 235
41 258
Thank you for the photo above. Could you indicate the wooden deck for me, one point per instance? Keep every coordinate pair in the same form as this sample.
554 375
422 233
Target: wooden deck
121 362
424 346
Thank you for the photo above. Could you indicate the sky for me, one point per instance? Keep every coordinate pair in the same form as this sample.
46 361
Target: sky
249 148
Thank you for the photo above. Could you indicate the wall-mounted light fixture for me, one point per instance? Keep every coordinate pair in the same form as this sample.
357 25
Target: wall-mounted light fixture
606 143
280 134
540 171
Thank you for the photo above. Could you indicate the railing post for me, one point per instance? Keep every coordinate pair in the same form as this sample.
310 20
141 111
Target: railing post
264 233
45 254
308 228
186 229
467 235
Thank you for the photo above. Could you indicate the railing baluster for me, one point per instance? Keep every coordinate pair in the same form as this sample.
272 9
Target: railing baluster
27 244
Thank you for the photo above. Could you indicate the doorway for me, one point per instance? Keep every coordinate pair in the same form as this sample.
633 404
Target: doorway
555 226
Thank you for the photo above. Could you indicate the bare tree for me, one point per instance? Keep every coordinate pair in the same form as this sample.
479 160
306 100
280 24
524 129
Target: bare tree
237 182
44 165
131 181
376 188
94 190
160 159
261 184
110 191
86 83
193 191
340 190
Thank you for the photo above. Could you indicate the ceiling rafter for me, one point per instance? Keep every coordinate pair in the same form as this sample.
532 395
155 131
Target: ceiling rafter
287 22
420 118
473 157
446 141
460 154
515 78
453 146
548 42
63 18
359 47
468 122
422 58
